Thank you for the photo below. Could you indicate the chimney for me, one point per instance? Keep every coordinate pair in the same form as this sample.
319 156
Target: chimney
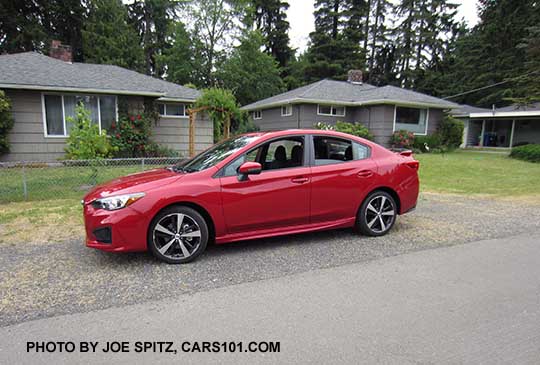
355 77
60 51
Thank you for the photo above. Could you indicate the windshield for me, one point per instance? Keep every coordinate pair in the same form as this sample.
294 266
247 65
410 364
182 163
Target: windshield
216 154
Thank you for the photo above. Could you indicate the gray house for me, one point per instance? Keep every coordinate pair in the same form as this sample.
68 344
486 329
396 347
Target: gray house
382 109
44 91
502 127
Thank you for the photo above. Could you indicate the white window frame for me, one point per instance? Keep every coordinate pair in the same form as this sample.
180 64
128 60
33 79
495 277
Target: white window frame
411 107
286 106
332 107
186 114
255 112
66 134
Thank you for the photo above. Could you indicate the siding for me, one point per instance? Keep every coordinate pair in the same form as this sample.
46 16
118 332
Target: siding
28 142
378 118
173 132
27 139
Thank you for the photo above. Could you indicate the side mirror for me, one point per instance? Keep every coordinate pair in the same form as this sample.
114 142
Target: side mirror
248 168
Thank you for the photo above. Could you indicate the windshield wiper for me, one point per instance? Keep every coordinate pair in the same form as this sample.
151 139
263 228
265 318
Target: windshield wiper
181 169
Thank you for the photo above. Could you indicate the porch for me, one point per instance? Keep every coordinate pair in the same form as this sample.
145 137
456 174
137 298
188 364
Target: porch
504 131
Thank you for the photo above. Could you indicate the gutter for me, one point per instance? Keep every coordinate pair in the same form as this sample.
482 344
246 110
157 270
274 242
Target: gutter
532 113
77 89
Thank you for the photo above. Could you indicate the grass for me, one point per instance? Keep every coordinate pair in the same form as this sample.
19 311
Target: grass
477 173
59 217
44 183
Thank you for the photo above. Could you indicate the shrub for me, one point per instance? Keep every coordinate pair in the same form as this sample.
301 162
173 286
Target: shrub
6 122
451 132
356 129
131 136
402 139
85 141
155 150
427 143
529 152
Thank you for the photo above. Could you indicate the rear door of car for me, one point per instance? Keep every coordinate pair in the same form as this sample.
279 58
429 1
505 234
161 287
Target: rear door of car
279 197
342 173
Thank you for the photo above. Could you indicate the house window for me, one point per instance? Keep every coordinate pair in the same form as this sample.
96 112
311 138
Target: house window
58 109
286 110
411 119
257 114
173 110
332 110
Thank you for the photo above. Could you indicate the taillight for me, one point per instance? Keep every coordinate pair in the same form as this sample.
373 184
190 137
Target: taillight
415 165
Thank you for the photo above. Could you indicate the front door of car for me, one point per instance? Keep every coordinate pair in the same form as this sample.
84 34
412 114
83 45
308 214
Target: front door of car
342 173
278 197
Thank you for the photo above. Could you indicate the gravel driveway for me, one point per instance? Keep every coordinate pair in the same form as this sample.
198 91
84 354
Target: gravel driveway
38 280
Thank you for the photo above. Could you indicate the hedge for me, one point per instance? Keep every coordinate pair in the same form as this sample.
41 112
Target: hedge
529 152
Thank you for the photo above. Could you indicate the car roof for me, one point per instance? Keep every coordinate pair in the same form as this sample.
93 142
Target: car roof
289 132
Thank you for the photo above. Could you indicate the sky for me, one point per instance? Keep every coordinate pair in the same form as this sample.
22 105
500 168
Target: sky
300 16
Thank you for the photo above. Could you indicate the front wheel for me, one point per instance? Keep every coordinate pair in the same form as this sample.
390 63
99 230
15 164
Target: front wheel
178 235
377 214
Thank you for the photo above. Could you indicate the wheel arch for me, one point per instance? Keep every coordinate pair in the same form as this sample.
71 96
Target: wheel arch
199 209
389 191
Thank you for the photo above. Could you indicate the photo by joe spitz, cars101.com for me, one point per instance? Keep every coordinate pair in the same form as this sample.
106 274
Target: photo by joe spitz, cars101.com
252 186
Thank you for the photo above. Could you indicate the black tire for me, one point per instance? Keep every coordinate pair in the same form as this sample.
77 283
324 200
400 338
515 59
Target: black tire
177 243
373 221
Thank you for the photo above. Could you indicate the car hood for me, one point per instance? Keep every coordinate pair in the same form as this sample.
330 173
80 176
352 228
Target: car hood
133 183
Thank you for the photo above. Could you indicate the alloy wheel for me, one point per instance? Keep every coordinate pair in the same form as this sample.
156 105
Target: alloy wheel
177 236
380 214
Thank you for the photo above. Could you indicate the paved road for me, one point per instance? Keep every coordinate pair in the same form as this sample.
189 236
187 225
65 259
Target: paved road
44 280
475 303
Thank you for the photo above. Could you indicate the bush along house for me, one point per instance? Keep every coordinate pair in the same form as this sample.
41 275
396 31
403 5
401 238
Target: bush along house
383 110
44 92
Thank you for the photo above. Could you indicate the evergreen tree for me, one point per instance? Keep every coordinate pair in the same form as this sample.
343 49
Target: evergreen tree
108 38
491 54
335 43
250 73
21 28
270 18
377 43
63 20
153 19
178 59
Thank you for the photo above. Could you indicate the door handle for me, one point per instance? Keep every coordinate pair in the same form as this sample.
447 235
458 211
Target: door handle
300 180
365 173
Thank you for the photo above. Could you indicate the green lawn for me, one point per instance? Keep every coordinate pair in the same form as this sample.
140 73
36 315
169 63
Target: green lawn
44 183
468 172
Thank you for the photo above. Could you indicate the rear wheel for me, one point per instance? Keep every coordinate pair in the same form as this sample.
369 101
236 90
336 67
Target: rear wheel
377 214
178 235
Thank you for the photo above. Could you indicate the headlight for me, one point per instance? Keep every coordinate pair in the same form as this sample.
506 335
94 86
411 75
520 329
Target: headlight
116 202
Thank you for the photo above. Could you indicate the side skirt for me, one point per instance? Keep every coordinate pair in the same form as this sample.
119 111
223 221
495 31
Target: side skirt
342 223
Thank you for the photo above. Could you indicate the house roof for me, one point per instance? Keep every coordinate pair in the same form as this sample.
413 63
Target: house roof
465 110
31 70
345 93
515 110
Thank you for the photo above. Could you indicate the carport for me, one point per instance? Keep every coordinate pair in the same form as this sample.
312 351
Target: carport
501 128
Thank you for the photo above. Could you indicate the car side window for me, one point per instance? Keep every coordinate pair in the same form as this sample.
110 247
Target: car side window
284 153
278 154
331 150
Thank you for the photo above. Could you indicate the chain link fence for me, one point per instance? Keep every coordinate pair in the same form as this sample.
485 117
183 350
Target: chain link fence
28 181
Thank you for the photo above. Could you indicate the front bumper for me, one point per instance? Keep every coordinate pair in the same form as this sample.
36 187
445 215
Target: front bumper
126 227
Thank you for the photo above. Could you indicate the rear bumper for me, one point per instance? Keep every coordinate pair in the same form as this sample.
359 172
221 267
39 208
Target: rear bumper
127 229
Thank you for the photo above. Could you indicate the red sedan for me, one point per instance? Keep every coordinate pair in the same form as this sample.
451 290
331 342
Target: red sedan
252 186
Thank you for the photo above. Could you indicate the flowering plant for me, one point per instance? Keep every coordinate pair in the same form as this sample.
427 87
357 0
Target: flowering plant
402 139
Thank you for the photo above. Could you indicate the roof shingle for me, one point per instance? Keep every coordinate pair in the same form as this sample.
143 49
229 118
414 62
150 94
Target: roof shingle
36 70
343 92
